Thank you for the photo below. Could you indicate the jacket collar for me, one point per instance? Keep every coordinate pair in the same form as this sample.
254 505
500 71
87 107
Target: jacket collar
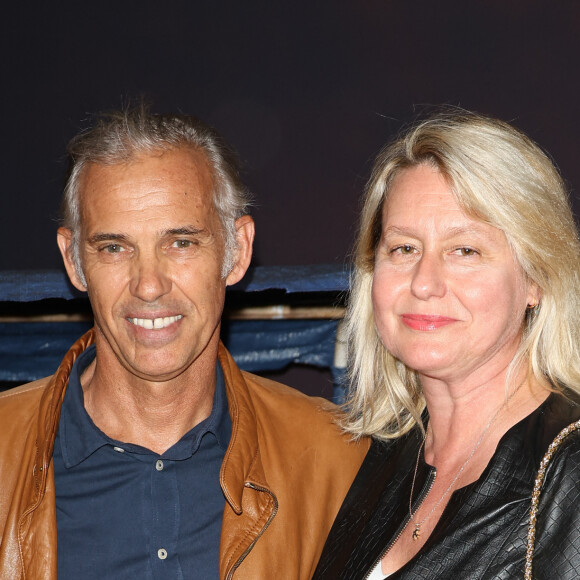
50 407
33 495
241 464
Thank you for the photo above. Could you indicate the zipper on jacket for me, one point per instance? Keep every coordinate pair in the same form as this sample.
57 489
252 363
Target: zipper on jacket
265 527
424 493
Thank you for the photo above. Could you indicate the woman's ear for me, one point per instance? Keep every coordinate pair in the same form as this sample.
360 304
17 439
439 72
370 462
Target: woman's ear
534 295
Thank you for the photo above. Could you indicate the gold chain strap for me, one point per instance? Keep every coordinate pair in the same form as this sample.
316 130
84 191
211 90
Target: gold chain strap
554 446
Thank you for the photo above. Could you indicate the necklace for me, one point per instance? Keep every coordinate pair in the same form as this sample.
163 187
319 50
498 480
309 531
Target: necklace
417 530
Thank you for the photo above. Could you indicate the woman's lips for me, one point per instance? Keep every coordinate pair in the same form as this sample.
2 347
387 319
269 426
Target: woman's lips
425 321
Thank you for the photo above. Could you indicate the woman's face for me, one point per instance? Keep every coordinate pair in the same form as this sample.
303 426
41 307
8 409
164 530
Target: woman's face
449 298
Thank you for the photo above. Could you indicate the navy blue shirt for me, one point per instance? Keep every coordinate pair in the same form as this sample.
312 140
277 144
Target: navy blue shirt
124 512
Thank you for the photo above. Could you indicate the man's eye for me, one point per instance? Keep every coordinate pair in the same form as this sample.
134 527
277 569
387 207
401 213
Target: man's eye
112 248
467 251
182 244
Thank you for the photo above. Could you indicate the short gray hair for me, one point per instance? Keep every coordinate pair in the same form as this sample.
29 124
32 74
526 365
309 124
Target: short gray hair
120 136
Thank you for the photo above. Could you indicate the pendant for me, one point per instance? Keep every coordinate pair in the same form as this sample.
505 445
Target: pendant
416 532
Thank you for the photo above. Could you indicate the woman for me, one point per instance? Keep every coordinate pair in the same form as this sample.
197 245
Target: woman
463 329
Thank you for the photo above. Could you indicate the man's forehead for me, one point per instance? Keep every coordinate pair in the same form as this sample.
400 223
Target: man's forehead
189 158
185 169
162 191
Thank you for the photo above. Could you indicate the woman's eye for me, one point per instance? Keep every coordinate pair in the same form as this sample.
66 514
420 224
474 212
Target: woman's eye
467 251
403 249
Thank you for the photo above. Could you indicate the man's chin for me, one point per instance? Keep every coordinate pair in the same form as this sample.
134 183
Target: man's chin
152 373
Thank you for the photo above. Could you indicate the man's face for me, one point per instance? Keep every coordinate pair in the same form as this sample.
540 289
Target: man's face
152 250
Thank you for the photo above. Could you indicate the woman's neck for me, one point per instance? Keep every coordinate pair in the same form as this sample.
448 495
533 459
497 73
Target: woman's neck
460 417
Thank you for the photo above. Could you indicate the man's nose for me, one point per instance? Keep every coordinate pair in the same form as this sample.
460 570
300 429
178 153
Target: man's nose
150 279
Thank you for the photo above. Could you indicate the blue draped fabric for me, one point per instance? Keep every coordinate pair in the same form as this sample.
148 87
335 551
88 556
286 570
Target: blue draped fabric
30 350
24 286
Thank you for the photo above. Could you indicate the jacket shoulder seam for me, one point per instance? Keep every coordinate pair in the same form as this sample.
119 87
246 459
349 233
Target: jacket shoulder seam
30 387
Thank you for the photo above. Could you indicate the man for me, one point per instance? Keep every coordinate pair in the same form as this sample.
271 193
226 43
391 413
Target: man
149 454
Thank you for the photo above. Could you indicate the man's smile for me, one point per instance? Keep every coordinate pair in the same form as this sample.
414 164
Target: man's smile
155 323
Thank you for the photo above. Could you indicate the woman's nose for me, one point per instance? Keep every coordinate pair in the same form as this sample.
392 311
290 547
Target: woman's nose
429 277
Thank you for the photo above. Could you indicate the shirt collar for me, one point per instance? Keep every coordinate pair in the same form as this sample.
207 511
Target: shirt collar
80 437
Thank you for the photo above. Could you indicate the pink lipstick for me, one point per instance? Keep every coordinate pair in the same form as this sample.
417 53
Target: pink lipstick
426 322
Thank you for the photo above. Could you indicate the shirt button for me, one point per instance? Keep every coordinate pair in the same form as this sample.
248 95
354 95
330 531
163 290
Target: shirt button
162 553
159 466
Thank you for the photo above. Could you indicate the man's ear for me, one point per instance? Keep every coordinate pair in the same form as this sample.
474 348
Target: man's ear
64 238
245 240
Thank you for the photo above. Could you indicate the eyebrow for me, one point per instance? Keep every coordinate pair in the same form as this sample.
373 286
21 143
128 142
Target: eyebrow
448 232
183 231
112 237
107 237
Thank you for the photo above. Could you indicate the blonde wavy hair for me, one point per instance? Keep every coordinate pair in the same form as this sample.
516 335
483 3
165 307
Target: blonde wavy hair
501 177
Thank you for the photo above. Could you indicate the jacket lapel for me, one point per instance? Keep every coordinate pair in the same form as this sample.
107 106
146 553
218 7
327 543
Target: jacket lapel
37 520
250 504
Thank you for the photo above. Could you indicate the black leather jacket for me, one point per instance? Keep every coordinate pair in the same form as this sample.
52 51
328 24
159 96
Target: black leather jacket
482 532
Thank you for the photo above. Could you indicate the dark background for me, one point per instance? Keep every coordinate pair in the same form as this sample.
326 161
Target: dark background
306 91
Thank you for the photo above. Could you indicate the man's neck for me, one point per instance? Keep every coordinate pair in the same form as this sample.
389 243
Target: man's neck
151 414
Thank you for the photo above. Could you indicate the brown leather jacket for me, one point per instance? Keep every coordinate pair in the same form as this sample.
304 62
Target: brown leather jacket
284 476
